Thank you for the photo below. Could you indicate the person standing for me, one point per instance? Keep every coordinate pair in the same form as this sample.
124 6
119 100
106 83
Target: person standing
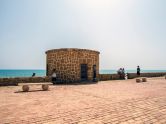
123 73
53 76
33 75
120 71
138 71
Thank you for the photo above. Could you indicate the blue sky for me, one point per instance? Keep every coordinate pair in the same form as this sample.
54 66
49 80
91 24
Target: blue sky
126 32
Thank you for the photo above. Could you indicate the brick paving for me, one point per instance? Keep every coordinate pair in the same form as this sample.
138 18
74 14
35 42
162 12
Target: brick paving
107 102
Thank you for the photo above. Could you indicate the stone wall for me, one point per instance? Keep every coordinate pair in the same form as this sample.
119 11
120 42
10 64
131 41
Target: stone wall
67 63
15 81
157 74
104 77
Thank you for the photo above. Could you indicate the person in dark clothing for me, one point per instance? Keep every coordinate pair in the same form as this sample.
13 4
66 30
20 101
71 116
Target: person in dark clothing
94 73
33 75
123 73
138 70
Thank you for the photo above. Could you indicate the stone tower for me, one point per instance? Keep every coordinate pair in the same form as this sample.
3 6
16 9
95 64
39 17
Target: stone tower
73 65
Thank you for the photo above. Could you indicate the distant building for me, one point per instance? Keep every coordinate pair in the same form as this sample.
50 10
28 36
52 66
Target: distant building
73 65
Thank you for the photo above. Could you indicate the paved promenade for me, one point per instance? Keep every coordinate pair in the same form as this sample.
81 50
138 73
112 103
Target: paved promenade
112 102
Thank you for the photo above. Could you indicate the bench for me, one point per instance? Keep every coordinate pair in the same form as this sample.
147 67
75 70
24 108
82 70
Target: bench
26 86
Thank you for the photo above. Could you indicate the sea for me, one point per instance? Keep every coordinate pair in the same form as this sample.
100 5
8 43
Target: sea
28 73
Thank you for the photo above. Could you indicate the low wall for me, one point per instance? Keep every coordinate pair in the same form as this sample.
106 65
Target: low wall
104 77
15 81
134 75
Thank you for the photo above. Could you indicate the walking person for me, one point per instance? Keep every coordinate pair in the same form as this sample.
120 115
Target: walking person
53 76
138 71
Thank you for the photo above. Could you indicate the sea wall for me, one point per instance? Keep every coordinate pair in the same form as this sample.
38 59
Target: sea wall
157 74
102 77
15 81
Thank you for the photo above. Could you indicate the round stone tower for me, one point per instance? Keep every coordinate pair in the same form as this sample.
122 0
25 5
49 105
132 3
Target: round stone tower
73 65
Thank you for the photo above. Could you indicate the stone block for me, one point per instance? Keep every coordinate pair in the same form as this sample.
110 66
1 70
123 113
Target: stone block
138 80
144 79
45 87
25 88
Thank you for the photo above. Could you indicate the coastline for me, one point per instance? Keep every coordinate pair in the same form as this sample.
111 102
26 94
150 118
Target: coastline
13 73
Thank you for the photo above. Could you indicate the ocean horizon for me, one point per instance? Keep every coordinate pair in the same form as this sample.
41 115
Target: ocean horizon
10 73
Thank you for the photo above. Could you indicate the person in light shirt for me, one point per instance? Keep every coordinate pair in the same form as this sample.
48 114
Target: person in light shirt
53 77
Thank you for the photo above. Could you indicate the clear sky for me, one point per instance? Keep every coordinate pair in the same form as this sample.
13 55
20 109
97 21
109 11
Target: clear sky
126 32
